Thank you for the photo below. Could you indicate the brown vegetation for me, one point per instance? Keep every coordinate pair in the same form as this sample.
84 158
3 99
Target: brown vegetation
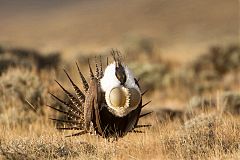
207 127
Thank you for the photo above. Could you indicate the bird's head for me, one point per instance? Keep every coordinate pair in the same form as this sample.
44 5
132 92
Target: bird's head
122 94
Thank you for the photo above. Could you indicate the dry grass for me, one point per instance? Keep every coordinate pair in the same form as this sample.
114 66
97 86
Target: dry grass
205 127
195 99
204 137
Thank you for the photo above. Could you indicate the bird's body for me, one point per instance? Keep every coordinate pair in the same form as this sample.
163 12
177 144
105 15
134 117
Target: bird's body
110 105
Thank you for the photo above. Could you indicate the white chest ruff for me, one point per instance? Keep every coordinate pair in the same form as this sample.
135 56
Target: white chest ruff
120 100
110 80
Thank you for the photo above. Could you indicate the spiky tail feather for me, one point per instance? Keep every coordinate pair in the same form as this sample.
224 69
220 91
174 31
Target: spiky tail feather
75 108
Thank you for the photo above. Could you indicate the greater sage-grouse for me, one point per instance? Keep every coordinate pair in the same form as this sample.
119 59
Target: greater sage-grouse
109 106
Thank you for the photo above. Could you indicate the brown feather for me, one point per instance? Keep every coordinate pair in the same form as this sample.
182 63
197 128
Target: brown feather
91 106
90 69
85 84
68 128
75 101
88 108
101 67
96 103
77 134
72 114
80 95
69 106
97 74
62 101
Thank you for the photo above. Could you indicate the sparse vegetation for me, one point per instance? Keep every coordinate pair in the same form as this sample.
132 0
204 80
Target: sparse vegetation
18 86
27 58
187 55
217 69
205 136
207 127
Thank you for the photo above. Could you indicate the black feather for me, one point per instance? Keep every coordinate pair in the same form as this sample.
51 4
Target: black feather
77 134
135 131
142 126
144 92
145 114
146 104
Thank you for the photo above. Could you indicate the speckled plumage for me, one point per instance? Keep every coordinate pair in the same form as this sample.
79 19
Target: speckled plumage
90 113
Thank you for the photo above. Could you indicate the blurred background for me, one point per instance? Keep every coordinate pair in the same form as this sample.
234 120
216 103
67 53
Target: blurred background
175 29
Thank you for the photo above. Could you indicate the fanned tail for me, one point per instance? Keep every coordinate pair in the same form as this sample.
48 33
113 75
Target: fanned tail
75 106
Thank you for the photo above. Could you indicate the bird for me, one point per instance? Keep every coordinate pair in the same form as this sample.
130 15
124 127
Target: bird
109 105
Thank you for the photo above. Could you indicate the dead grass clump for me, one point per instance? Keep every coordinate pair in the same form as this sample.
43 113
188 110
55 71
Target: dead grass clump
27 58
46 147
17 86
204 136
231 102
51 60
165 115
204 75
200 104
228 102
5 64
220 60
24 84
152 76
207 72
